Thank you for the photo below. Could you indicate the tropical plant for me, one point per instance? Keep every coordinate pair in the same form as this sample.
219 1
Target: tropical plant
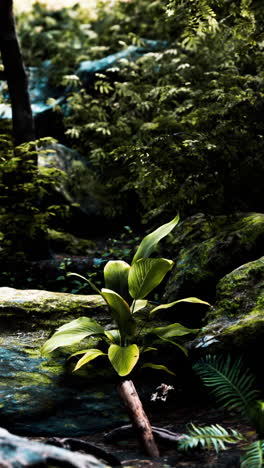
233 387
125 293
214 436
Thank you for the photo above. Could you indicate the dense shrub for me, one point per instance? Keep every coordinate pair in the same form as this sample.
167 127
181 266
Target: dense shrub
181 127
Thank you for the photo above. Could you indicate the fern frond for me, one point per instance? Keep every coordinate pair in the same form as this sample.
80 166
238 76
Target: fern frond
254 456
214 436
231 384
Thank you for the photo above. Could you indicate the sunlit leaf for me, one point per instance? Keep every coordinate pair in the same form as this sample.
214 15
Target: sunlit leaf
89 355
149 242
72 333
116 277
113 336
146 274
120 311
123 359
193 300
139 304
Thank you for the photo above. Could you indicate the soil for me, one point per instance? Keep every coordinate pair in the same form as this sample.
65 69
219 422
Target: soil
129 452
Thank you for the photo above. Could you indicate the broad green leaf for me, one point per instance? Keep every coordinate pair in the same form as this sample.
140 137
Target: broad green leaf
138 305
123 359
193 300
146 274
120 311
72 333
90 354
113 336
158 367
149 242
87 281
169 331
116 277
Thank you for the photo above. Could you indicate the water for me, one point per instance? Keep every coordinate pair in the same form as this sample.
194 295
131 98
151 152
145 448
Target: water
38 396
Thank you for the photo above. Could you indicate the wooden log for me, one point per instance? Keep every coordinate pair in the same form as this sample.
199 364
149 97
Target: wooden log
139 419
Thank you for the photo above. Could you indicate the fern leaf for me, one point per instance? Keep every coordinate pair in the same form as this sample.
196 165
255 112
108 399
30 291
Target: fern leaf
254 456
231 384
214 436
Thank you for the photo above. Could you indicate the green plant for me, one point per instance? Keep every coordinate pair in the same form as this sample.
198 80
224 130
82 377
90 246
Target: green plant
209 437
125 293
233 387
188 116
23 218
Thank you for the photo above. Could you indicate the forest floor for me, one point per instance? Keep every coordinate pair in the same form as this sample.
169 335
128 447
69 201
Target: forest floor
129 453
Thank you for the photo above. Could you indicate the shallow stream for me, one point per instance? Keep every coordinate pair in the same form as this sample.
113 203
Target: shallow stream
39 397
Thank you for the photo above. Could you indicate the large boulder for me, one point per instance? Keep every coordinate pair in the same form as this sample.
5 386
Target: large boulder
37 309
206 249
236 322
18 452
41 395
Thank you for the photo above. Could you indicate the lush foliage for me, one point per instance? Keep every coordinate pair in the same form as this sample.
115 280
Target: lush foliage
176 126
125 292
208 437
233 387
23 232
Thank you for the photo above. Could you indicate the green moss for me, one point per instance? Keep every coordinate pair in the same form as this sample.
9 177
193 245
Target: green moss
245 331
67 243
43 309
241 292
206 249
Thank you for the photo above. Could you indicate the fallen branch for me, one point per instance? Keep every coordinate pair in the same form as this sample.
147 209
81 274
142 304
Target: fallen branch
161 435
76 444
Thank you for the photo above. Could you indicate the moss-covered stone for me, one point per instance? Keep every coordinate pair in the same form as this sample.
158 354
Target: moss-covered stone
64 242
206 249
36 309
241 292
237 319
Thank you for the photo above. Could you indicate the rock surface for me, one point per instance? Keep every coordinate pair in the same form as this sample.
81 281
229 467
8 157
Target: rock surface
44 310
42 396
16 452
237 319
66 243
80 186
206 249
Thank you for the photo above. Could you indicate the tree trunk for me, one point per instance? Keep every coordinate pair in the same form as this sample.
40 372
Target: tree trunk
15 73
139 419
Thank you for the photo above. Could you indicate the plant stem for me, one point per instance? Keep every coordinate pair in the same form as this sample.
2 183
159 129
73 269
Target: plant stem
139 419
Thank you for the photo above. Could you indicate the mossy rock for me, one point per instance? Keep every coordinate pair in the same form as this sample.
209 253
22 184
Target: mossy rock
66 243
236 322
206 249
36 309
